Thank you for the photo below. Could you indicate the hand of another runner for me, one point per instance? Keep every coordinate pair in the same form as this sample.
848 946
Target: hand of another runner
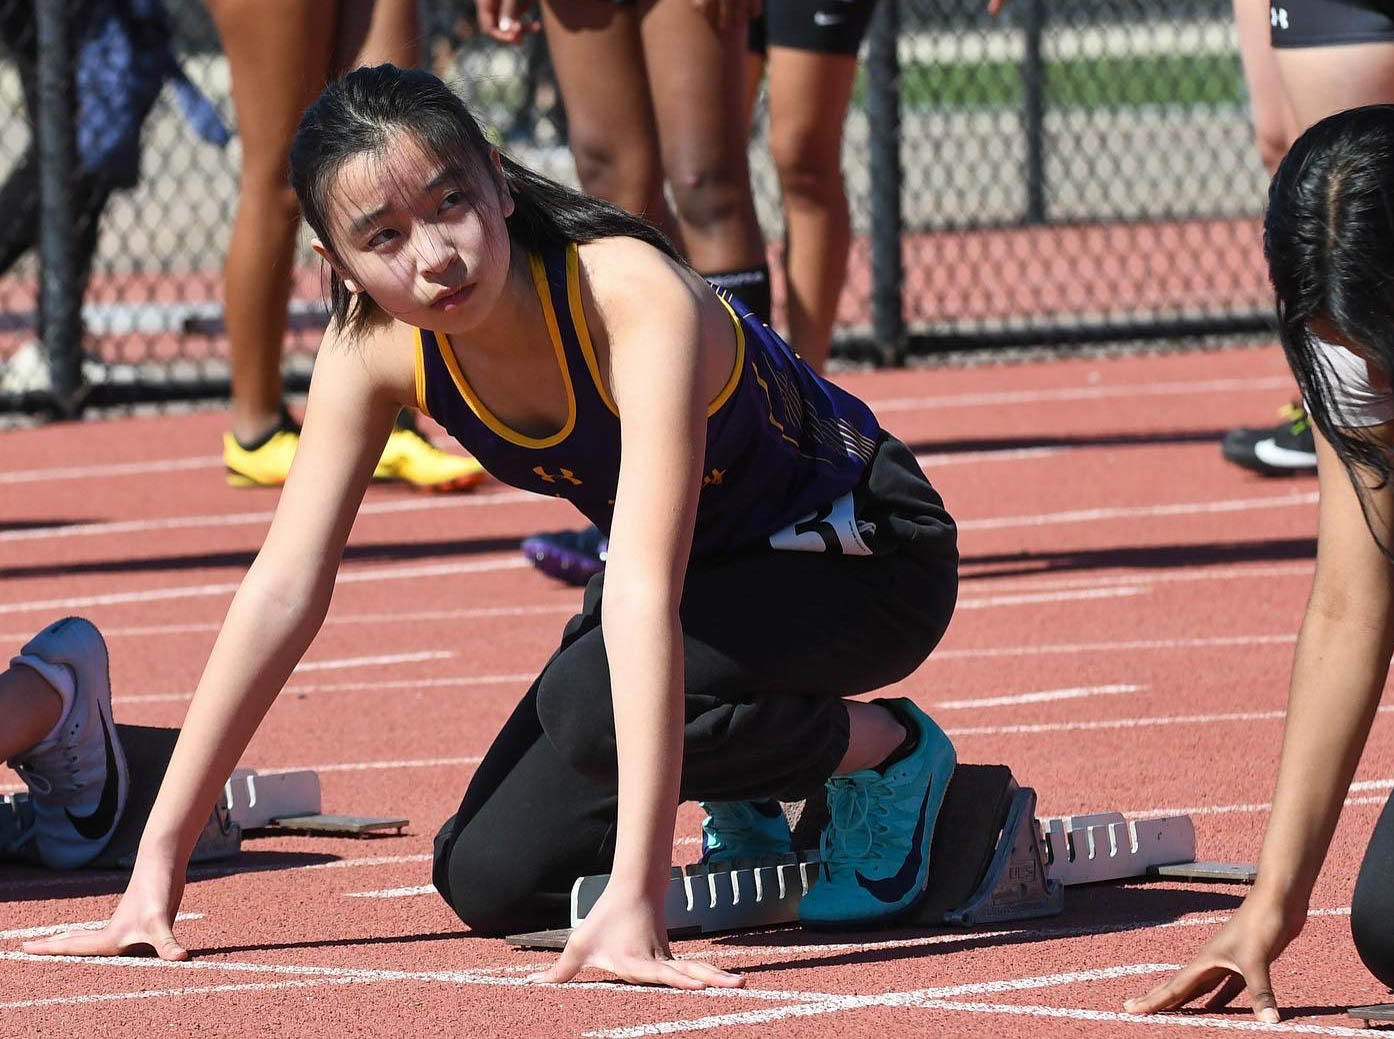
507 21
626 937
1235 959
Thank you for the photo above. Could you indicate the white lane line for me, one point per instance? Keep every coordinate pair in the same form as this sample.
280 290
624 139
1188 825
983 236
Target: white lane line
1188 508
1155 1021
986 602
947 458
1118 723
344 687
988 581
199 990
87 878
1232 809
389 658
976 938
405 617
1046 696
339 766
251 519
840 1004
997 398
363 576
1129 645
393 892
84 472
85 925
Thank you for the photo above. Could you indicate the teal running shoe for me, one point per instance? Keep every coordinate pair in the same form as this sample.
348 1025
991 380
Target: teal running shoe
744 830
875 847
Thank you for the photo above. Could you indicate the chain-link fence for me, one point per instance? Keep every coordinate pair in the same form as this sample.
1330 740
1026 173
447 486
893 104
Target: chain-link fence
1080 173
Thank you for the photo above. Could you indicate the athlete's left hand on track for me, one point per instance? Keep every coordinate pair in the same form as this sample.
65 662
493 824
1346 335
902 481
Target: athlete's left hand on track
626 936
729 14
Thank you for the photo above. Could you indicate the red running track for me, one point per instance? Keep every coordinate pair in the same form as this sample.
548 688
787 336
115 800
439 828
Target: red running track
1107 550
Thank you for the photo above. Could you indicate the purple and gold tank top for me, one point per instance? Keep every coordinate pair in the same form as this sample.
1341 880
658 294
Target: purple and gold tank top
782 445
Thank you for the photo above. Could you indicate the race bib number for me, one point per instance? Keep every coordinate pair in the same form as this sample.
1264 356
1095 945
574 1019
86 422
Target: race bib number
833 528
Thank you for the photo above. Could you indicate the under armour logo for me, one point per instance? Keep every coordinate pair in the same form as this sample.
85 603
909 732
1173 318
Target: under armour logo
1278 17
714 477
565 474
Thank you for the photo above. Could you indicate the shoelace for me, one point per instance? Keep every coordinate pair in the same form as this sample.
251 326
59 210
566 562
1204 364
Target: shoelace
41 784
854 811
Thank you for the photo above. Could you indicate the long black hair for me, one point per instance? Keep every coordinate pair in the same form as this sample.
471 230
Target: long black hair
360 113
1329 240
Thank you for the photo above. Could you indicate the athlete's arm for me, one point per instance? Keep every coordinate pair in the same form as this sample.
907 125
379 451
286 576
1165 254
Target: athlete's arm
659 329
276 612
1338 673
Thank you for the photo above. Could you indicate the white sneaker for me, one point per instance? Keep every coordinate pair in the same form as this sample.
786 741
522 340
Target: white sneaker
77 777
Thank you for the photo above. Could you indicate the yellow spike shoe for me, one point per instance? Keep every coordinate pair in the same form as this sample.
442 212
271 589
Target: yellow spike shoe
263 466
412 459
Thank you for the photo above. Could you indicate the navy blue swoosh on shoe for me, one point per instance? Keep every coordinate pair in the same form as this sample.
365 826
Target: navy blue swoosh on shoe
894 888
103 818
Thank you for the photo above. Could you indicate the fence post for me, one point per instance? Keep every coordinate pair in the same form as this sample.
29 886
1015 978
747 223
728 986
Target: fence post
59 305
883 115
1033 114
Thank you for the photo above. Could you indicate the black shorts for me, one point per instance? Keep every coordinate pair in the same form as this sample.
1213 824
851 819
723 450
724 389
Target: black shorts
1330 23
822 26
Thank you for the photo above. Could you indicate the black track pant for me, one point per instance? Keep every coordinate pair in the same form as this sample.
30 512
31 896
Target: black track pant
771 642
1372 906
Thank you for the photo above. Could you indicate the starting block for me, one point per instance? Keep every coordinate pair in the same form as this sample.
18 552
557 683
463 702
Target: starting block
1382 1012
991 862
1092 849
251 801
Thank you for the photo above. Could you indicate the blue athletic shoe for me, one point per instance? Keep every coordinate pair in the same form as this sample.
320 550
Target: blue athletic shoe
744 830
875 847
77 778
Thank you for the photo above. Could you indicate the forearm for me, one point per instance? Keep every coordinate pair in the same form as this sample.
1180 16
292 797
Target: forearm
267 629
1338 674
646 674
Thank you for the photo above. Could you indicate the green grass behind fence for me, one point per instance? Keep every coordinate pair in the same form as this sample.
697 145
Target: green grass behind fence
1194 79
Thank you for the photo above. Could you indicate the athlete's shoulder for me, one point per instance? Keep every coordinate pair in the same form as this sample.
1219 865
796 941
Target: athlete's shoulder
378 346
629 276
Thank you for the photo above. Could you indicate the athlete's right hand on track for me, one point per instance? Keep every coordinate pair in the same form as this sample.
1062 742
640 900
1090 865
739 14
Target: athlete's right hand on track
625 936
507 21
1236 959
143 920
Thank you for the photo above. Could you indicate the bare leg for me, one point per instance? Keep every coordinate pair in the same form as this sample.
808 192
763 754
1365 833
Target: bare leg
1324 80
1275 123
30 707
372 32
809 95
278 64
873 733
610 120
696 76
754 73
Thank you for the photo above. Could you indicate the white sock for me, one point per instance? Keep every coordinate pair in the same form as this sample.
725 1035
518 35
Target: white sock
58 676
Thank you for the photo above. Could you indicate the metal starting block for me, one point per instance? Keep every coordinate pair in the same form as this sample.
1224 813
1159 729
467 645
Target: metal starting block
1382 1012
1091 849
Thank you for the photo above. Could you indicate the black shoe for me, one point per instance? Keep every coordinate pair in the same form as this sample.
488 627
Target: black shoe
1282 450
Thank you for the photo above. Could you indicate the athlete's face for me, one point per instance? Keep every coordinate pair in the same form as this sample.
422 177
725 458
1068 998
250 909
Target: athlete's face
425 241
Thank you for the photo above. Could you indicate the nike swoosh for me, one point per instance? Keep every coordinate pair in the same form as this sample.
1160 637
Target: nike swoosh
103 818
895 887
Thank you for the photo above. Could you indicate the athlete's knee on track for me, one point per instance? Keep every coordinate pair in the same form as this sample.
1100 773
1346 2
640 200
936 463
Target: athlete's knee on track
480 881
1372 925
